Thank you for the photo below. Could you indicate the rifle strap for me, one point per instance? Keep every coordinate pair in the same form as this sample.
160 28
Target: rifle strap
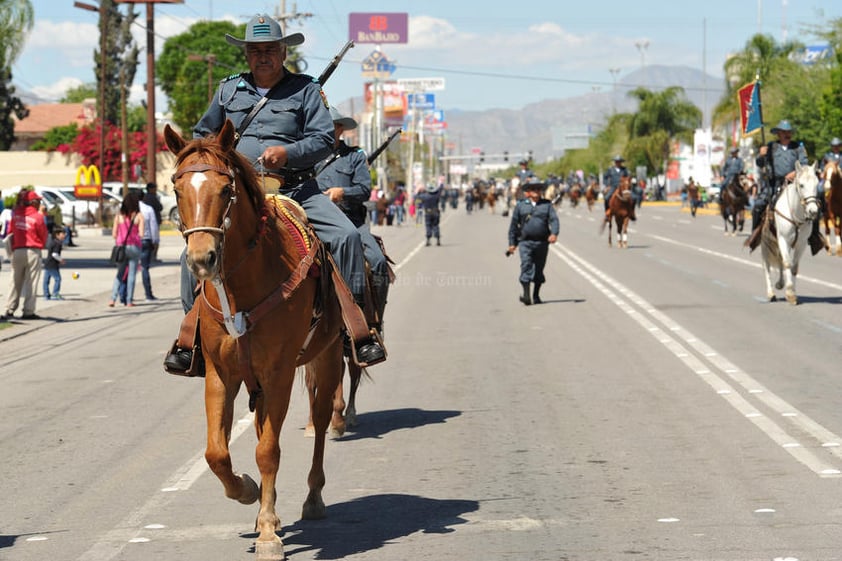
254 111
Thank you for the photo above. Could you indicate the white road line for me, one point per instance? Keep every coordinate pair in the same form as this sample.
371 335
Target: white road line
801 453
742 261
114 541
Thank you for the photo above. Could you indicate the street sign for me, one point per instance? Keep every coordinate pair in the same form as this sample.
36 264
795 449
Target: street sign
421 101
377 65
422 84
378 27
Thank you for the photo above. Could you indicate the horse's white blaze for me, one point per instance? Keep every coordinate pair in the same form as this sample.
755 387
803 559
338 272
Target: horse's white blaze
197 180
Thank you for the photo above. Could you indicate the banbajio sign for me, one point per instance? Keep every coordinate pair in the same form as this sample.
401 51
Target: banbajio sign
378 28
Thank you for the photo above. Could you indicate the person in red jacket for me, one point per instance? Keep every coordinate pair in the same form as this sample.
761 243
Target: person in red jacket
30 237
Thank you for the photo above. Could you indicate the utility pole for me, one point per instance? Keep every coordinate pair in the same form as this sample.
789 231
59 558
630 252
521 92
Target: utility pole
283 16
211 60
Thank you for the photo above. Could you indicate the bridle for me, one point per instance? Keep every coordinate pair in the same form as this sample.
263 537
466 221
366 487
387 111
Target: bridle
232 199
803 201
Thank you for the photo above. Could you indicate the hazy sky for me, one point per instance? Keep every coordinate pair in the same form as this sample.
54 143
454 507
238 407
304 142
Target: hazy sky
491 53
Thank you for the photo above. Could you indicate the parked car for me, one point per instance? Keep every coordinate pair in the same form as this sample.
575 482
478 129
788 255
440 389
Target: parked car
170 210
73 210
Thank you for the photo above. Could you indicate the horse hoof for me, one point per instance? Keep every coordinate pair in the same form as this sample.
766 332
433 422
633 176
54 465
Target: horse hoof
313 510
310 431
772 298
336 431
269 551
251 492
792 299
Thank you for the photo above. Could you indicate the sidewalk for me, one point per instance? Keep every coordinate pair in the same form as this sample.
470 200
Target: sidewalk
91 291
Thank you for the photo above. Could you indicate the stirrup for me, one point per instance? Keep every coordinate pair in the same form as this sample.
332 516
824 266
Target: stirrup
373 339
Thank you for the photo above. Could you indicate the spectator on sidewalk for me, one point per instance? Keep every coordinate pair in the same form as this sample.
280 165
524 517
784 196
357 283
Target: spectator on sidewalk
148 245
29 238
52 264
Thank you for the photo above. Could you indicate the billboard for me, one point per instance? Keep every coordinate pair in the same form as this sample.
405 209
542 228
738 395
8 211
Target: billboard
378 27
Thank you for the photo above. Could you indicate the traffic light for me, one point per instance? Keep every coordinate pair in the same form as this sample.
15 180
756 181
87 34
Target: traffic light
481 157
505 155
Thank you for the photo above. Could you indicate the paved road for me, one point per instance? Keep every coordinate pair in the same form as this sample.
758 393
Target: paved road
655 407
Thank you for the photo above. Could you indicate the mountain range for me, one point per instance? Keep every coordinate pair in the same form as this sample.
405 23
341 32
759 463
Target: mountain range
546 127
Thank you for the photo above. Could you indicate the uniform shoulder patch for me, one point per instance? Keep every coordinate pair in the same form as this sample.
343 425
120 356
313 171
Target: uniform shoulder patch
324 98
232 77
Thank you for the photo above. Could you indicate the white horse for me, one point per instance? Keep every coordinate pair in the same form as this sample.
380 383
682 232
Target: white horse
796 208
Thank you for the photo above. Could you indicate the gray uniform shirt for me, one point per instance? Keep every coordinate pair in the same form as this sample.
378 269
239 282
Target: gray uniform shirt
295 116
783 159
349 171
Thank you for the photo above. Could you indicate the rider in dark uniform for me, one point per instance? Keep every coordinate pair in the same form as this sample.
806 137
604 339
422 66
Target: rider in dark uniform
345 178
732 168
287 136
778 159
533 228
612 177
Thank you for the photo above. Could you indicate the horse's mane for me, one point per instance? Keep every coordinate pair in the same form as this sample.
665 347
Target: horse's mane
209 150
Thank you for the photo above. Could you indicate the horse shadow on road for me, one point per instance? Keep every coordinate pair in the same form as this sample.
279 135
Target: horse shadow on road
378 423
816 299
369 523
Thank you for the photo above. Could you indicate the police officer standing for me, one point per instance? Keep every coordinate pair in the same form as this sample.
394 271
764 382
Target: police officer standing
778 158
612 177
284 128
430 202
732 168
345 178
533 228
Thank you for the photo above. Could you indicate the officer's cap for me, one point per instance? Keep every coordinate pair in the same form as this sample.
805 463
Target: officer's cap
836 142
534 184
782 126
339 119
619 158
734 150
523 163
264 29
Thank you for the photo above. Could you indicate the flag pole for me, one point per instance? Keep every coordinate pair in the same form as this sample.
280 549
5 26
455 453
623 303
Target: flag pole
760 108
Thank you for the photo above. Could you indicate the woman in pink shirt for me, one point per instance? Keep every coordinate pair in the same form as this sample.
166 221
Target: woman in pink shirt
127 229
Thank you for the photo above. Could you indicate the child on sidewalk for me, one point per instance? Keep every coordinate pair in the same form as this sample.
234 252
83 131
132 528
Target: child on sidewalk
52 264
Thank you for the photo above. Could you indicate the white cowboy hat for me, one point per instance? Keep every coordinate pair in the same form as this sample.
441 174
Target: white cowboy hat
263 29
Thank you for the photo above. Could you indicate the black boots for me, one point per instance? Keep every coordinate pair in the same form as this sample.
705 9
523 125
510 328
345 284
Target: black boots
536 297
180 362
525 296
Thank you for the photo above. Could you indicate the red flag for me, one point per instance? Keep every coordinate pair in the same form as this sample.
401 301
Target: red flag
751 117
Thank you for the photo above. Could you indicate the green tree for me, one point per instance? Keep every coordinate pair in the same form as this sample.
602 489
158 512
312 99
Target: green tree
762 56
80 93
57 136
16 19
660 117
121 52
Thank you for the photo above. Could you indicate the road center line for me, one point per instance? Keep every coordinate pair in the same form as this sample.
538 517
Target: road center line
801 453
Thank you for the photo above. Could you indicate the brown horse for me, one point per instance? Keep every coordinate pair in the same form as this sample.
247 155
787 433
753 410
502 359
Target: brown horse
833 213
733 200
254 258
620 208
592 194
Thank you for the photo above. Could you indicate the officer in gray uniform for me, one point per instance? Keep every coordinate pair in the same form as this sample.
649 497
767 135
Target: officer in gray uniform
286 136
778 159
430 201
835 155
346 180
612 177
533 228
732 168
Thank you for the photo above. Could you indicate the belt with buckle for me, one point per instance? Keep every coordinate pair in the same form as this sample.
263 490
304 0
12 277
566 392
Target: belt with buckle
284 179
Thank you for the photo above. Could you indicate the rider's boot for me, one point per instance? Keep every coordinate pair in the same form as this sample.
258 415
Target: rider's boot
816 240
185 357
525 296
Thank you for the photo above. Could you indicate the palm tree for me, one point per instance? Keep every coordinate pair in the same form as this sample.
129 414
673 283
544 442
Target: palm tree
762 56
16 20
661 117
